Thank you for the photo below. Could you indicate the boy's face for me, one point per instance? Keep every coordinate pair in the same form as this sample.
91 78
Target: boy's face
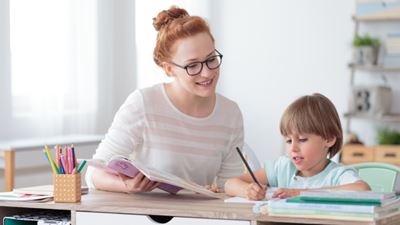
308 152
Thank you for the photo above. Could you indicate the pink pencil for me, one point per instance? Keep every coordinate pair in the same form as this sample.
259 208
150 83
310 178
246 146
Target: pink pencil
64 163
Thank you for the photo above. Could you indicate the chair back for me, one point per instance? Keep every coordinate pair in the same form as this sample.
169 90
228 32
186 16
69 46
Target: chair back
381 177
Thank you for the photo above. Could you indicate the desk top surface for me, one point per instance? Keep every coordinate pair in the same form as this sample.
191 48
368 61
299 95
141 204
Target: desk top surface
185 204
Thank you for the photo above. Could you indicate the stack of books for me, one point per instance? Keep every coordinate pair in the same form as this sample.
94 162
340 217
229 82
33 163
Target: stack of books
338 205
392 50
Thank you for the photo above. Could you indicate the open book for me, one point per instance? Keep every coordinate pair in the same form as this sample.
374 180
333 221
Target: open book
168 182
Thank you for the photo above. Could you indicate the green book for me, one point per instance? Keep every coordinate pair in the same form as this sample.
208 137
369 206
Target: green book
14 221
346 201
346 197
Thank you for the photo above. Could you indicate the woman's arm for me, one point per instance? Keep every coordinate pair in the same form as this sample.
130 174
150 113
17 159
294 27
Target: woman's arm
244 186
120 183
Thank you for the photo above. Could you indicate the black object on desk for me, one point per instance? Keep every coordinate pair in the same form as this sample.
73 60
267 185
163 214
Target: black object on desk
248 167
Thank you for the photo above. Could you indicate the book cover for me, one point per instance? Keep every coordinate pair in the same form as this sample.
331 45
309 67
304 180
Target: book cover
11 196
43 190
168 182
373 202
126 167
322 216
297 203
347 197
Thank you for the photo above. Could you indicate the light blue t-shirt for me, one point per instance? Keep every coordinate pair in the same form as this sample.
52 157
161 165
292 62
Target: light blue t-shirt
282 173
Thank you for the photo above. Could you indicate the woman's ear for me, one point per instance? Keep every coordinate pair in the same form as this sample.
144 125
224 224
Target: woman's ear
167 68
330 142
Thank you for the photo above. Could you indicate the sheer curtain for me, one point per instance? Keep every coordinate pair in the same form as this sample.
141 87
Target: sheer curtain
53 76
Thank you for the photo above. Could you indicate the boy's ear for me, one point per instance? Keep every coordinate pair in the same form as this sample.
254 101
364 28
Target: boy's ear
330 142
168 69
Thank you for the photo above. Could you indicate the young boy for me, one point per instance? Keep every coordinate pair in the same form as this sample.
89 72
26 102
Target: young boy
312 131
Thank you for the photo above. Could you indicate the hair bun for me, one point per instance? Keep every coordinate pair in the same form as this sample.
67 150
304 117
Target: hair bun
167 16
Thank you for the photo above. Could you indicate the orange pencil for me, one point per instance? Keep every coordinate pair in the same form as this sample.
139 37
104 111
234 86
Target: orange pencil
57 156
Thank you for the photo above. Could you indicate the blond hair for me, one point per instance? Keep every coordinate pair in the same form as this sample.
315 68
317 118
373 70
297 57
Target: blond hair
313 114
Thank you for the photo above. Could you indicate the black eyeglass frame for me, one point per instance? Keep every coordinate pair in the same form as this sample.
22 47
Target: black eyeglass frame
201 63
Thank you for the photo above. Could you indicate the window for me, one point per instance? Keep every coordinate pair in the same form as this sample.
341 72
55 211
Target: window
53 65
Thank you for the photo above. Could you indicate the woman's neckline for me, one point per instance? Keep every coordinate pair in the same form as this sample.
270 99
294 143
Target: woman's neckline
176 109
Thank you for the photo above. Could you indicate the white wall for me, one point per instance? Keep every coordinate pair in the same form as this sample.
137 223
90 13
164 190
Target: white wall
5 81
276 51
116 57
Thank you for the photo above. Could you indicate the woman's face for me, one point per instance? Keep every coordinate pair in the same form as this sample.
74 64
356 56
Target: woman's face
198 48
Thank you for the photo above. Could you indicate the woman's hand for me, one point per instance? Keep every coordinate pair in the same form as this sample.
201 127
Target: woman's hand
255 192
139 183
286 193
214 188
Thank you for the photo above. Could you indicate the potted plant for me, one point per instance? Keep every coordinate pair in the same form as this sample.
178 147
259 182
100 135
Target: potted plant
388 137
366 50
388 149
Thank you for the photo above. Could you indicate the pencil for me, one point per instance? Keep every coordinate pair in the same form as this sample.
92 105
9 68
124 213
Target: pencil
81 166
57 156
248 167
53 166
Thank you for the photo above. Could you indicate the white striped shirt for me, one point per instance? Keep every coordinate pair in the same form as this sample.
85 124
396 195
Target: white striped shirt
150 129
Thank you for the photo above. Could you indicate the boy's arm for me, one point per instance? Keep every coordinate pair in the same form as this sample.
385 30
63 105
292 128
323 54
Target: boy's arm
238 186
292 192
356 186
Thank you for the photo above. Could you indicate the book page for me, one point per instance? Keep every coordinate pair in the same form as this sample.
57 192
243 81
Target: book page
168 178
169 182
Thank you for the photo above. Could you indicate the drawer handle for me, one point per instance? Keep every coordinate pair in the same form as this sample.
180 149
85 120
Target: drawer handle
358 154
390 155
160 219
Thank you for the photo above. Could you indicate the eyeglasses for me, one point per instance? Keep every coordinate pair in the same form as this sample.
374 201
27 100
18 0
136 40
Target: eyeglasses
195 68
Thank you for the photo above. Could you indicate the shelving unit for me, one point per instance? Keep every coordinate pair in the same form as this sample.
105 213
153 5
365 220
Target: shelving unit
386 16
381 153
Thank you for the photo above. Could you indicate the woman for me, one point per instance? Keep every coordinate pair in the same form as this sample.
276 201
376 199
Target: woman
184 127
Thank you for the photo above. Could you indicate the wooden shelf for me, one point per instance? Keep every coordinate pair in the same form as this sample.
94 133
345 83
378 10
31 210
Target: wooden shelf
387 15
374 68
384 118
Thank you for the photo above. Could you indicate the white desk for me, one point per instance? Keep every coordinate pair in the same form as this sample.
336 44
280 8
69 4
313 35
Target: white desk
8 150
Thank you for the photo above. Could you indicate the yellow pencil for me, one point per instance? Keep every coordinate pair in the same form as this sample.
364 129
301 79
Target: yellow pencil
50 159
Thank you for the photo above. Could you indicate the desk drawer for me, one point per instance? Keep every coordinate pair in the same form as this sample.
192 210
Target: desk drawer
357 154
387 154
87 218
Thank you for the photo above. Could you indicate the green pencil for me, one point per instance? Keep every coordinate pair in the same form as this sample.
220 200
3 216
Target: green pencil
81 166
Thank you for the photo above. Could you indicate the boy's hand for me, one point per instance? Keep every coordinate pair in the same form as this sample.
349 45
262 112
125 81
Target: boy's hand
286 193
255 192
139 183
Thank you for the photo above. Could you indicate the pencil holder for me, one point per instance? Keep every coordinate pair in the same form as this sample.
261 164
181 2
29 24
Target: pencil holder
67 187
